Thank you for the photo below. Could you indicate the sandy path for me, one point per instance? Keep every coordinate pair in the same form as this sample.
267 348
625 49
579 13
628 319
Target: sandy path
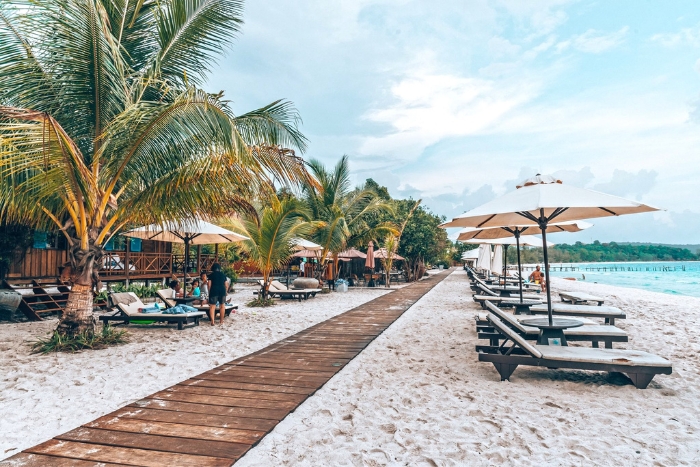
43 396
418 396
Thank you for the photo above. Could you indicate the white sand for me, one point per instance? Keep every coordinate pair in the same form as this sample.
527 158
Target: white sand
418 396
43 396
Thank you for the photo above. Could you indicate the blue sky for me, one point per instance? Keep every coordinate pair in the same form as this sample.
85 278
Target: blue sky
455 102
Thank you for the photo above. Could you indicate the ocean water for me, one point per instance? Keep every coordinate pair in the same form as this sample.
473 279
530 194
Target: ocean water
675 278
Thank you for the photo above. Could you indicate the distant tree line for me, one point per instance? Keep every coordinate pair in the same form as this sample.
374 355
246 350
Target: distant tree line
600 252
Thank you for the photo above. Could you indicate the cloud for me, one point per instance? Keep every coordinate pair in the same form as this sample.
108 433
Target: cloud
686 36
429 107
627 183
594 41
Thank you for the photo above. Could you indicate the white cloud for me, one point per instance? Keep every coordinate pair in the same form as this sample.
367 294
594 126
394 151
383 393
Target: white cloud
430 107
594 41
690 36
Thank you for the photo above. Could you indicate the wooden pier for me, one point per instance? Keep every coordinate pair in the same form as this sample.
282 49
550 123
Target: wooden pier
214 418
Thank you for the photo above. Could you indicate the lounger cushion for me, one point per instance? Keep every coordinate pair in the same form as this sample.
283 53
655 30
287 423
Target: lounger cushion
604 356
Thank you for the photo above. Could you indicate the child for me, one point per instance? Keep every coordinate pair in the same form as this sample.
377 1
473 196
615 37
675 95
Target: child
196 292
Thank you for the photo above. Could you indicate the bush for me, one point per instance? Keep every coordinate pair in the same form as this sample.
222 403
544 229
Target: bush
260 302
58 342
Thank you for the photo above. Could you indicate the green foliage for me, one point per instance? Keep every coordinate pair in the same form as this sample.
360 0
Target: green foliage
58 342
141 291
261 301
603 252
422 239
271 232
344 217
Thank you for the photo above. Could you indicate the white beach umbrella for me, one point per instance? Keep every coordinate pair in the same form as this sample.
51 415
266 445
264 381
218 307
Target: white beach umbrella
497 263
484 261
471 254
525 240
189 232
490 233
540 200
303 244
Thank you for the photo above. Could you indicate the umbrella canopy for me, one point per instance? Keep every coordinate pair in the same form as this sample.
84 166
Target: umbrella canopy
478 234
369 260
303 244
538 201
484 261
525 240
497 262
189 232
549 201
196 232
382 254
307 254
351 253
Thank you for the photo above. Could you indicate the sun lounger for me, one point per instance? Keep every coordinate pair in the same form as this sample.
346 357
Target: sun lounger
580 297
130 313
640 367
281 290
593 333
609 313
167 296
486 291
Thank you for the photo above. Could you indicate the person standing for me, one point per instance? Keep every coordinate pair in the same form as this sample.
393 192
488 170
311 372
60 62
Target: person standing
217 286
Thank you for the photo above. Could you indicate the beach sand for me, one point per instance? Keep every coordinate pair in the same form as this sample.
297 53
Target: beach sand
418 396
43 396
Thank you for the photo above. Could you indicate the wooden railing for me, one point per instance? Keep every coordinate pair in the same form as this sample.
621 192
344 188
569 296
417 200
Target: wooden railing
139 264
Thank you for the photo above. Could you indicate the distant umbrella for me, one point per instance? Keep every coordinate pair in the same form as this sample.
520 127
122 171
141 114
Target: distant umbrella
369 261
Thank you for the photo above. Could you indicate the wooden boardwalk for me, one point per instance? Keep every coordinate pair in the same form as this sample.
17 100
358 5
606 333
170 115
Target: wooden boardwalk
214 418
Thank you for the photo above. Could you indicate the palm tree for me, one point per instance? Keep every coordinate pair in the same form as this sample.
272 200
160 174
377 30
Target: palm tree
103 125
342 214
272 232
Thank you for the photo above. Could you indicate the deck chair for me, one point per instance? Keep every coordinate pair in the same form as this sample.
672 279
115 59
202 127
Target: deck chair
167 296
593 333
130 313
640 367
279 289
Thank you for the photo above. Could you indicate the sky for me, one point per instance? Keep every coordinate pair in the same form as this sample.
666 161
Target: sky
454 102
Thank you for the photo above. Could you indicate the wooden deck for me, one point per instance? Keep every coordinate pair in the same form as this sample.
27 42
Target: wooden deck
214 418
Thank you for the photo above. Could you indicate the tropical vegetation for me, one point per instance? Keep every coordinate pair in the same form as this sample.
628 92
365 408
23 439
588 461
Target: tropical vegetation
598 252
272 231
104 125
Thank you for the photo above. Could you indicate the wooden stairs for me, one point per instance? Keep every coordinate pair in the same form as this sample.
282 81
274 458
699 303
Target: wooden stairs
39 297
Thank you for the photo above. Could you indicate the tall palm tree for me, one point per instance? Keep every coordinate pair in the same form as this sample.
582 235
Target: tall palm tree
272 232
341 213
103 124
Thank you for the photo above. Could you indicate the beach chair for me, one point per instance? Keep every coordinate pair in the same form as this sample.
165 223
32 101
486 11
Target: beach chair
609 313
580 297
593 333
127 314
639 366
167 296
282 291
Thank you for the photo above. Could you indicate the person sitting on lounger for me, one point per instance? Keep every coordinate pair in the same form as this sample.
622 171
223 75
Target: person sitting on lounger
538 278
195 292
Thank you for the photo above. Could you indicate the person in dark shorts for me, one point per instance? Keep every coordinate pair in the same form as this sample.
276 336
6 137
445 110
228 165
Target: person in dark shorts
217 286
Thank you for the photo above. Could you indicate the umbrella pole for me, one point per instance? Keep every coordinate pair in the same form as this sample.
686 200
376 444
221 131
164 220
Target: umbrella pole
543 229
520 271
184 267
505 263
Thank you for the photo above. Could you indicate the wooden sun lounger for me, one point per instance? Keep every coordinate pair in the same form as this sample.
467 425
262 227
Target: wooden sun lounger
487 292
129 313
610 313
639 366
580 297
281 290
592 333
166 294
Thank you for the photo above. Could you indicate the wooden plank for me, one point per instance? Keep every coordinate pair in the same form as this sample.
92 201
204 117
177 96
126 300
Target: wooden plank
228 450
179 430
188 418
183 396
24 459
239 394
258 380
159 404
128 456
247 386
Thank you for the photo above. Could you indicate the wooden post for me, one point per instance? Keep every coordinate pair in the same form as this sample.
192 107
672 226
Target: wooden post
126 260
216 253
199 259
